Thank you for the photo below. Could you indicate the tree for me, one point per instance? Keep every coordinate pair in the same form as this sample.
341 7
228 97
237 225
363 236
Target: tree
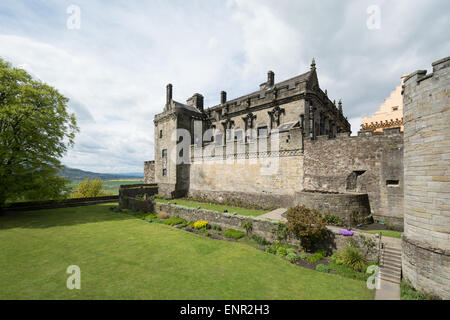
89 188
307 225
35 131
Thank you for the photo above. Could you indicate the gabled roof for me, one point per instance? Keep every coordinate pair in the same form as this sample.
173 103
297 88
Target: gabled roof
179 105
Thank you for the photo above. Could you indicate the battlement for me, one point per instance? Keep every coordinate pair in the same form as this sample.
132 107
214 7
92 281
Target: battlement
420 75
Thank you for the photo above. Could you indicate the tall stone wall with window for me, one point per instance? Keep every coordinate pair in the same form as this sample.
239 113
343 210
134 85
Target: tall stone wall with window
366 163
426 240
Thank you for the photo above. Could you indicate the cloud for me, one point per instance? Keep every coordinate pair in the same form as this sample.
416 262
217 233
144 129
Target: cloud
115 67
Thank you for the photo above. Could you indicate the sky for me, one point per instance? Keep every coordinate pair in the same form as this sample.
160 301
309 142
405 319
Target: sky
113 59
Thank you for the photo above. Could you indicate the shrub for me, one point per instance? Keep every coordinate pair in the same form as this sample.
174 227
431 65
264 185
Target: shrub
217 228
336 257
281 251
89 188
191 223
303 256
260 240
281 232
332 219
271 250
345 271
162 215
292 257
322 268
307 225
235 234
248 226
174 221
352 258
320 254
200 224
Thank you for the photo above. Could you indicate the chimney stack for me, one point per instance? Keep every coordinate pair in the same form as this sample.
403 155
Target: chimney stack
196 101
168 94
270 79
223 97
340 105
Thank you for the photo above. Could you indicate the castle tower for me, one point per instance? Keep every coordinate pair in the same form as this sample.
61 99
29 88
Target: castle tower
426 239
174 132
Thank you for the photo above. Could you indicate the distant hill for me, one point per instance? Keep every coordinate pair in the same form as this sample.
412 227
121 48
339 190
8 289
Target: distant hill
79 175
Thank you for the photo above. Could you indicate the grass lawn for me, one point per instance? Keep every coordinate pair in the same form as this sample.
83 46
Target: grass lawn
122 257
215 207
385 233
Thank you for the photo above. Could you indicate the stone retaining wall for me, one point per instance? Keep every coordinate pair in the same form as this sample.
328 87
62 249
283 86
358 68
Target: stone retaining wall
263 227
352 207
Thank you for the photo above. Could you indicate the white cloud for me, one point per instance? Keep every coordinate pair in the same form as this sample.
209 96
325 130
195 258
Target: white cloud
115 68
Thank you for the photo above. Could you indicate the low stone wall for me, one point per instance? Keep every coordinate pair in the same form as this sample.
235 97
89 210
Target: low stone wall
349 206
334 241
133 190
137 204
53 204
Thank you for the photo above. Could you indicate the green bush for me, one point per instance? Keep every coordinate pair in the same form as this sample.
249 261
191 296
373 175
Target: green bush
332 219
89 188
292 257
281 251
271 250
235 234
352 258
260 240
320 254
281 232
217 228
336 257
174 221
307 225
345 271
322 268
303 256
248 226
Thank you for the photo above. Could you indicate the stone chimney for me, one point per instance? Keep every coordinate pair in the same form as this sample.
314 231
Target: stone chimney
168 94
270 79
196 101
223 97
340 105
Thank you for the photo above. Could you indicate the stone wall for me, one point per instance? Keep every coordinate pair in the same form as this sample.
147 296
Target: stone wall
426 240
367 163
149 172
352 208
334 241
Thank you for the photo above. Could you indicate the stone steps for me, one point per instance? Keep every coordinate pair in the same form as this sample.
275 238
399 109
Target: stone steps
391 263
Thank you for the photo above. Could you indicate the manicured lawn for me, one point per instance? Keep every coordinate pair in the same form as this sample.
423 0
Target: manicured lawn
386 233
215 207
122 257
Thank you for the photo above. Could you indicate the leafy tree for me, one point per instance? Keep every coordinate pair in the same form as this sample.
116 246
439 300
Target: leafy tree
35 131
89 188
307 225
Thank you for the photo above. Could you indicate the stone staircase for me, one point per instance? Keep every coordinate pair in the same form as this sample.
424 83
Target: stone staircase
391 262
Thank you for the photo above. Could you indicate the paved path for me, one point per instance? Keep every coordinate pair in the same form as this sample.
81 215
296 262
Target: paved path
275 214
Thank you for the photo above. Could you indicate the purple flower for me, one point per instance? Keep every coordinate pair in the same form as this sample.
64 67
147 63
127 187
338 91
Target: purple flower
346 232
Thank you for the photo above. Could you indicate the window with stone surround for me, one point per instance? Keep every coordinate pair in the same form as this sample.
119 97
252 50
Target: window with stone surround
164 172
164 153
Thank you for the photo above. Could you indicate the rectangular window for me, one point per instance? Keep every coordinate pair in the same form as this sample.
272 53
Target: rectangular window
164 153
392 183
262 132
164 172
160 134
238 135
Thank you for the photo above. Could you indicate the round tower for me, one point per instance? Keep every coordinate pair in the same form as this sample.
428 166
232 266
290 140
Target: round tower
426 237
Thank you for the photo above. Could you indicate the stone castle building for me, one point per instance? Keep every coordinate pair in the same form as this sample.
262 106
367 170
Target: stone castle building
390 114
288 143
317 162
